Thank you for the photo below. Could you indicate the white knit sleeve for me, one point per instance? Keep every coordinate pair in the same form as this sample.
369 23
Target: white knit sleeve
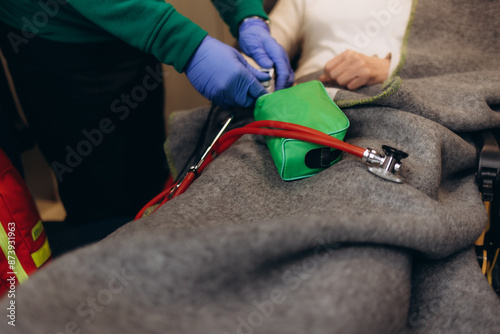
286 21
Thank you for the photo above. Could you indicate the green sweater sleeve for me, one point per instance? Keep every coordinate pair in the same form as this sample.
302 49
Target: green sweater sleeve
152 26
155 27
234 11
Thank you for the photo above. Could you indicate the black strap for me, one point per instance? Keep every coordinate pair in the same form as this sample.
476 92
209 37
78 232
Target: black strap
321 157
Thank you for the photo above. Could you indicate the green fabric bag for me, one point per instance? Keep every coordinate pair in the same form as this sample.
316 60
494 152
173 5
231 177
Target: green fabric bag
309 105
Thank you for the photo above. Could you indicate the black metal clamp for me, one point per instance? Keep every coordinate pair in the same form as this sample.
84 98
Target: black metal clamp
488 170
488 181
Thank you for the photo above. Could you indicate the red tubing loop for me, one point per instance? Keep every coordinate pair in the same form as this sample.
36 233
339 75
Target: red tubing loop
286 130
264 128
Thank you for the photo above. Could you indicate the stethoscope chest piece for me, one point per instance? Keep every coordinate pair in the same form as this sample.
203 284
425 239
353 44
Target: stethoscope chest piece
387 167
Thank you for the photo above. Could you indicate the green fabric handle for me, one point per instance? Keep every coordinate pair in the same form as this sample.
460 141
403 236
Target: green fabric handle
306 104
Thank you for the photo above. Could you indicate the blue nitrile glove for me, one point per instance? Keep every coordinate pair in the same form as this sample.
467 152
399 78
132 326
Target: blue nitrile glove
221 74
256 42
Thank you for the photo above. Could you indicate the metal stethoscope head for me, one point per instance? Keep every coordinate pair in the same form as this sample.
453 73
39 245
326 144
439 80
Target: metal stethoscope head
388 166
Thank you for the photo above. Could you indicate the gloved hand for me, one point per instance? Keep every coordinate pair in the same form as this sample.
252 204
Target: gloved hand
256 42
221 74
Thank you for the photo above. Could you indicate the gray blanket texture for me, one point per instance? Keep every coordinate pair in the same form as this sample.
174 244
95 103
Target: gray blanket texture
341 252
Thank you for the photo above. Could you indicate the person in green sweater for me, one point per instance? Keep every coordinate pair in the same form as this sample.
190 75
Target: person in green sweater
88 75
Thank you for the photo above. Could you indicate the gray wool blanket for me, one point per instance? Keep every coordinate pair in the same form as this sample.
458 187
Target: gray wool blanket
343 251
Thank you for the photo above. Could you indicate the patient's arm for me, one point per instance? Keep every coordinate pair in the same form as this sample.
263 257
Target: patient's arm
287 19
353 70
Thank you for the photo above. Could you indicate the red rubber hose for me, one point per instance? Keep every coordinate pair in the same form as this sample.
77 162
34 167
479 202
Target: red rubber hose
336 143
167 187
286 126
185 183
298 133
265 128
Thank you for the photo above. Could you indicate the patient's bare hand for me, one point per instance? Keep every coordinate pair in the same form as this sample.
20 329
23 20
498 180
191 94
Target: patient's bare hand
353 70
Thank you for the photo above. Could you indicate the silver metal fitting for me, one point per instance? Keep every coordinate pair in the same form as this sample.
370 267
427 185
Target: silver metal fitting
269 85
386 167
371 156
